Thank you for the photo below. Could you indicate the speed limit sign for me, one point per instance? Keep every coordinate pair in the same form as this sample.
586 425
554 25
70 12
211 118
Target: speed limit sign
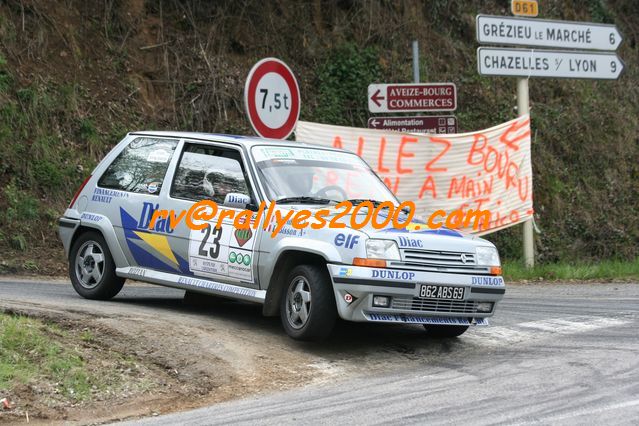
272 99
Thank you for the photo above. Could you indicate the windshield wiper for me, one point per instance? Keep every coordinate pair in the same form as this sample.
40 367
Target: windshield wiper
356 201
303 200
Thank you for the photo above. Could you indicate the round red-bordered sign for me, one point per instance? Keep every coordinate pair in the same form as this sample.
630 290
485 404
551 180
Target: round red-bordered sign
272 99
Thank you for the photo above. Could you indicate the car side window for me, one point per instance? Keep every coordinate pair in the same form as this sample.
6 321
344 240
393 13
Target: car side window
209 173
140 167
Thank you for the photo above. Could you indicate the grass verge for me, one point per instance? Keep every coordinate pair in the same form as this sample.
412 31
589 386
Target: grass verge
30 352
48 368
602 270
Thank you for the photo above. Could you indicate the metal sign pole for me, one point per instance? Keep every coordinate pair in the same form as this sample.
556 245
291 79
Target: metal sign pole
523 109
527 62
415 61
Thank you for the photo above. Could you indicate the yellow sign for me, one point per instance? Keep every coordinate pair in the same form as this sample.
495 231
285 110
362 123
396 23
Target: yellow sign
524 7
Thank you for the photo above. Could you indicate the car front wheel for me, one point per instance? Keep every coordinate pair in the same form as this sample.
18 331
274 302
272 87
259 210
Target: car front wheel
307 307
91 268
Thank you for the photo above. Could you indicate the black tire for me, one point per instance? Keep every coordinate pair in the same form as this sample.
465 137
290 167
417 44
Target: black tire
84 258
445 331
321 311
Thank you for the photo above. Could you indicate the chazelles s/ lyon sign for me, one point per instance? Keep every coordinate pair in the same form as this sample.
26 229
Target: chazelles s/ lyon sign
548 63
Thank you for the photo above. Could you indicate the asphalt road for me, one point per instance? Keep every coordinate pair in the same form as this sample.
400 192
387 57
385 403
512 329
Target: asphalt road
554 354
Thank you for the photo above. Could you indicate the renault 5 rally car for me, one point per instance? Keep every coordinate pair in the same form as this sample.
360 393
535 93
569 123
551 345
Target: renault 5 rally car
441 279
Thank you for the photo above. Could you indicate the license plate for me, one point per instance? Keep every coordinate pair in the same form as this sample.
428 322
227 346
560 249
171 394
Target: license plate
444 292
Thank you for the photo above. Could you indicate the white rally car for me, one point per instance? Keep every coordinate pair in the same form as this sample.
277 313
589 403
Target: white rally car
441 279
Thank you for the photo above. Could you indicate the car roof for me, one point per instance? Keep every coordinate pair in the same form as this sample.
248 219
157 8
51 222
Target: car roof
247 141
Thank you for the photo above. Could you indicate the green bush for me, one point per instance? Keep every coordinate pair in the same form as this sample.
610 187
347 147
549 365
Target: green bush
21 205
343 79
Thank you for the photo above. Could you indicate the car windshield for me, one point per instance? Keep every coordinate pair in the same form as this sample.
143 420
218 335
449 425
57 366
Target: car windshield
307 174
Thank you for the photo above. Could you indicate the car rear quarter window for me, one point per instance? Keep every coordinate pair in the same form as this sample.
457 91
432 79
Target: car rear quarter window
140 167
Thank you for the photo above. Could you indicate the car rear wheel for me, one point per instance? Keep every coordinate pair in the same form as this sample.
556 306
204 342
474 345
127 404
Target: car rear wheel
307 307
91 268
444 331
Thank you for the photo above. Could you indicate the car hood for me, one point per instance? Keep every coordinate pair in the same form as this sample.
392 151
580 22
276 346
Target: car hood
442 239
416 235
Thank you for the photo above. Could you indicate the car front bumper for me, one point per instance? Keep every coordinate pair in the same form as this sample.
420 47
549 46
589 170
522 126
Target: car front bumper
355 287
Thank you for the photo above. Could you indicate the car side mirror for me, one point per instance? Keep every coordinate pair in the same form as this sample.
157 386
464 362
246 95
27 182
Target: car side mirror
236 200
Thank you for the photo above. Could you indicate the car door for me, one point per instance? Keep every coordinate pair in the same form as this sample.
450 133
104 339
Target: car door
225 253
129 192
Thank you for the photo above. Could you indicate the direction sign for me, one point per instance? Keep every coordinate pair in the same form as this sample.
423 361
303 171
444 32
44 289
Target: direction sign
548 63
433 124
272 99
524 7
544 33
412 97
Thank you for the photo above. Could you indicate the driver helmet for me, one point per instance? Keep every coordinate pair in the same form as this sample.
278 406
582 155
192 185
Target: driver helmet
301 182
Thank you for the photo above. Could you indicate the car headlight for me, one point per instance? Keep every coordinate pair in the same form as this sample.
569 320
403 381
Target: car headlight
382 249
487 256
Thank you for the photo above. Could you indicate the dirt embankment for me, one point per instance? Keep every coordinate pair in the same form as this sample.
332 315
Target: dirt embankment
187 356
165 361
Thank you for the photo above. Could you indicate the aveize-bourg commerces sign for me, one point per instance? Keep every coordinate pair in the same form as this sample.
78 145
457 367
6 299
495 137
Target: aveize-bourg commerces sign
412 97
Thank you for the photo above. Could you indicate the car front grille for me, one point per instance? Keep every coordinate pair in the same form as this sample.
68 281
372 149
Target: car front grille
439 258
434 305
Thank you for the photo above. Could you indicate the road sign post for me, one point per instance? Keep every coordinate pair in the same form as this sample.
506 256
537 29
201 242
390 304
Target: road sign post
525 63
272 99
523 108
415 61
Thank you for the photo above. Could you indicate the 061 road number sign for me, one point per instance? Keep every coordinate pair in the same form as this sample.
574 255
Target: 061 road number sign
272 99
524 7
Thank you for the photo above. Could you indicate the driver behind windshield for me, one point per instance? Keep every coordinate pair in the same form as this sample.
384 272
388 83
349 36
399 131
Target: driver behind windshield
301 182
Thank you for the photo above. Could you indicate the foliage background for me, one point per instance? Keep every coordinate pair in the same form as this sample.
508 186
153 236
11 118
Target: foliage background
76 75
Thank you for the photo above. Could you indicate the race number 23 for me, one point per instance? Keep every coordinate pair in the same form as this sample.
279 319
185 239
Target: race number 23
214 250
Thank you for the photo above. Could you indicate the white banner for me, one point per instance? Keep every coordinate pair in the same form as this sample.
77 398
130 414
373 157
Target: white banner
485 170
